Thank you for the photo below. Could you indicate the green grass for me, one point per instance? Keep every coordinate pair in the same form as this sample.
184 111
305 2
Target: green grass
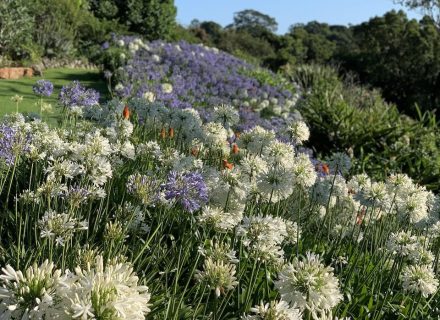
59 77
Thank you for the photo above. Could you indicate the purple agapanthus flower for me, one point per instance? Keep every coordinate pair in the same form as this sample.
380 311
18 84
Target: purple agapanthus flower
75 95
43 88
187 189
12 143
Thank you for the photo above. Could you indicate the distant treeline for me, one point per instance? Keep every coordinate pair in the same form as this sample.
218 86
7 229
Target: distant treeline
393 53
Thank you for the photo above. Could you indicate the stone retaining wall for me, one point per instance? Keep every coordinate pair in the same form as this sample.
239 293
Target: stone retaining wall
15 73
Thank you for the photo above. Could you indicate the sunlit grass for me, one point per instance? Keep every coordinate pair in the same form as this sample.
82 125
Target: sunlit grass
59 77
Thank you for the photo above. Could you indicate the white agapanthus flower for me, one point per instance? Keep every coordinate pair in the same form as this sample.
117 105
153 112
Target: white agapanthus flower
279 155
304 171
60 169
275 310
149 96
419 280
99 170
220 220
226 115
252 166
29 295
358 182
109 291
215 136
399 181
299 132
328 188
375 195
228 189
412 203
310 285
59 226
218 251
120 129
150 149
255 139
167 87
218 276
119 87
263 236
126 148
340 162
275 184
402 243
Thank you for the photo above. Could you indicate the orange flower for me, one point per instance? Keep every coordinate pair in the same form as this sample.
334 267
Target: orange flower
326 168
227 165
171 132
126 112
360 217
235 149
163 133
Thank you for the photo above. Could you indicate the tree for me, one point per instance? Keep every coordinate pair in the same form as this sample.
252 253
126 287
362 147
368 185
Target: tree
16 25
253 20
428 7
400 56
153 18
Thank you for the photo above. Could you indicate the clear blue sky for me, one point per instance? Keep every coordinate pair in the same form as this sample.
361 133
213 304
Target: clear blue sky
287 12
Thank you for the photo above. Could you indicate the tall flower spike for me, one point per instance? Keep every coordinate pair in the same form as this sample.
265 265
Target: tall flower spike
235 149
163 133
227 165
126 113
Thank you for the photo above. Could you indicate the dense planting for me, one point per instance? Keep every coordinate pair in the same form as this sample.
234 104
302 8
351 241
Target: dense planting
168 203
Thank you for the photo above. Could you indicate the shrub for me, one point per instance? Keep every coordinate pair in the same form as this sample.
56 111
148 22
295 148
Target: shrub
345 116
16 25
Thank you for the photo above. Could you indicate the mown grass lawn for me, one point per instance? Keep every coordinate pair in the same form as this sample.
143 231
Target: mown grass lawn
59 77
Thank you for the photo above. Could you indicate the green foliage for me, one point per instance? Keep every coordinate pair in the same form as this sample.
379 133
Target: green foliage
428 7
266 77
16 26
92 32
112 58
312 42
152 18
400 56
56 25
181 33
253 21
238 41
345 116
155 19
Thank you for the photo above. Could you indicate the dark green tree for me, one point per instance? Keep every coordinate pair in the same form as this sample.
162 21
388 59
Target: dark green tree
16 25
427 7
253 20
155 19
400 56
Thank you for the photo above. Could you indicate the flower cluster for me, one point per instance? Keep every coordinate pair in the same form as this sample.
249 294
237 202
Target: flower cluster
310 285
105 199
75 95
99 292
43 88
187 189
